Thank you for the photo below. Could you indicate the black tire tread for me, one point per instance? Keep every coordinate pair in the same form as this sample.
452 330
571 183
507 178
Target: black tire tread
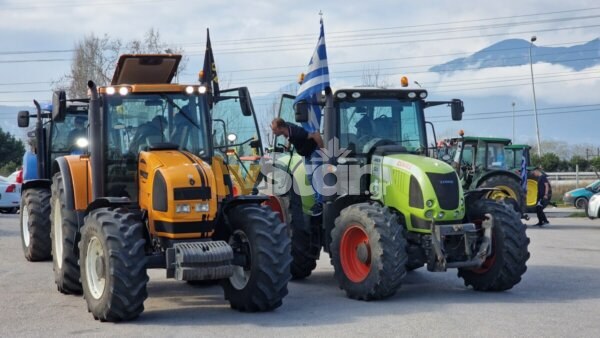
37 201
381 224
511 256
305 252
271 259
67 277
123 233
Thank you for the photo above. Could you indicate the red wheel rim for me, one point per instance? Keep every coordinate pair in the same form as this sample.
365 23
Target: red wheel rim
355 253
274 204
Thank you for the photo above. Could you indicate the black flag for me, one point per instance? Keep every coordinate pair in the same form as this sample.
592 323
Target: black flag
209 70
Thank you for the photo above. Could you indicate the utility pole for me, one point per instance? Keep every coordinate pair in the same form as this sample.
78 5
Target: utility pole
513 107
587 155
537 126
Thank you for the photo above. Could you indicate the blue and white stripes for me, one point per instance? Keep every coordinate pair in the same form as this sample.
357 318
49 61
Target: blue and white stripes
315 81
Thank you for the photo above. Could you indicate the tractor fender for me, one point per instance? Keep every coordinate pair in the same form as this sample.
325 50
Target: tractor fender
105 202
243 199
499 172
477 194
37 183
62 166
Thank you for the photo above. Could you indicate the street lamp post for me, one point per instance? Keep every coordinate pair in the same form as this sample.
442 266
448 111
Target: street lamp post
513 106
537 126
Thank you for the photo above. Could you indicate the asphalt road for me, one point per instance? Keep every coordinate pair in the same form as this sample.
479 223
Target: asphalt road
558 296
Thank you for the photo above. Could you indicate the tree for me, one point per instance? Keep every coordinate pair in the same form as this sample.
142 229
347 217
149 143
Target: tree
579 161
95 59
11 153
548 161
371 77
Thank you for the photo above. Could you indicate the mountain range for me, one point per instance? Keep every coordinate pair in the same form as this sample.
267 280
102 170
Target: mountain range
515 52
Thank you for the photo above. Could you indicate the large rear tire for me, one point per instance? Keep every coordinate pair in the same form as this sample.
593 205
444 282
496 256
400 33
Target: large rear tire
368 252
259 236
305 240
64 236
35 224
113 264
508 261
509 190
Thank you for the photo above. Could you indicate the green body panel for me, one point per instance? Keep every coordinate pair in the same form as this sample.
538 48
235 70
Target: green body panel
390 184
295 166
475 139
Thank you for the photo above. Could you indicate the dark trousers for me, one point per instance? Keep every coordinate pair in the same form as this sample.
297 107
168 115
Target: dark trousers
539 209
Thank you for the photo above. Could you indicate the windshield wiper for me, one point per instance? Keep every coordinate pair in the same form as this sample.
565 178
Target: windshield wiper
181 111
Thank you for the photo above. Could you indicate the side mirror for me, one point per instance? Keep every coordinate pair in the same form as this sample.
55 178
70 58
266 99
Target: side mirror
255 144
59 106
301 111
457 109
23 119
245 104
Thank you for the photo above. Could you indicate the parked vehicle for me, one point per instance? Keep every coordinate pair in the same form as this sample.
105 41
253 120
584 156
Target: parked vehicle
10 195
580 197
593 207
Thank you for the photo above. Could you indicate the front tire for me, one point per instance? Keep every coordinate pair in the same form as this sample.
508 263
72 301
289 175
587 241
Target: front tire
35 224
368 252
64 236
262 238
113 264
508 261
581 203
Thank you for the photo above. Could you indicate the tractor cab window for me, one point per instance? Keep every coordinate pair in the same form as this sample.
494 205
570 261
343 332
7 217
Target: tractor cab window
365 123
66 133
496 156
233 133
139 122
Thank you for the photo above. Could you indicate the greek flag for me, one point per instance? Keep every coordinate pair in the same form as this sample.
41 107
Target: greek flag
315 81
524 161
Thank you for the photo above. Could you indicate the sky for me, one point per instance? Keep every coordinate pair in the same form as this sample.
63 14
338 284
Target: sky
264 45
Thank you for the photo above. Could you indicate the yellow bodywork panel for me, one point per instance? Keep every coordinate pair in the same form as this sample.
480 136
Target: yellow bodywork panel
81 179
188 183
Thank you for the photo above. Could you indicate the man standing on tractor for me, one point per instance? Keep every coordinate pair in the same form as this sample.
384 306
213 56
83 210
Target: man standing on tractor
305 144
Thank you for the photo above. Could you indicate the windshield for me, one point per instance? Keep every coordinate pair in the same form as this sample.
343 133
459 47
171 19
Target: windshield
365 121
138 122
594 185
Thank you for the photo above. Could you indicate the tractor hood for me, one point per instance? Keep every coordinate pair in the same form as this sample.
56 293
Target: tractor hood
426 189
146 69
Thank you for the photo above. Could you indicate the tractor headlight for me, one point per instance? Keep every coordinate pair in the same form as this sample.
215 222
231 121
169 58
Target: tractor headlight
123 91
182 208
462 201
202 89
189 89
441 214
429 214
456 213
412 95
110 90
429 203
202 207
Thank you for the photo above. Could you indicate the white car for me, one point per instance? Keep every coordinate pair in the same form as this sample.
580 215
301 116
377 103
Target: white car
593 206
10 196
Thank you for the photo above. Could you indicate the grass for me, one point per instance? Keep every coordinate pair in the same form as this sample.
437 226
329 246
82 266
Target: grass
578 214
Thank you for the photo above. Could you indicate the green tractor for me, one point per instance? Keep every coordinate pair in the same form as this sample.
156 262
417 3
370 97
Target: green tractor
481 163
388 208
514 154
51 141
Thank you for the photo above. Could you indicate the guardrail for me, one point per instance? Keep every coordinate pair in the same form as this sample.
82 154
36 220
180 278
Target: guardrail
570 176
